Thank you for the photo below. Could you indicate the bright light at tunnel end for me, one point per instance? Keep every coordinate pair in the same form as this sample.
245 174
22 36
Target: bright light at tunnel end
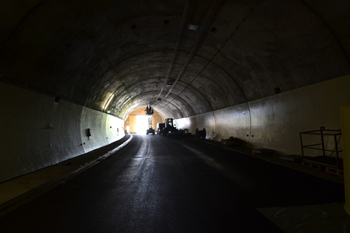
141 124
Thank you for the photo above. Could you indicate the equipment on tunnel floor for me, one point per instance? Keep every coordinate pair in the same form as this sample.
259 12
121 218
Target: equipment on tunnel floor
179 133
160 128
150 130
167 127
329 158
201 133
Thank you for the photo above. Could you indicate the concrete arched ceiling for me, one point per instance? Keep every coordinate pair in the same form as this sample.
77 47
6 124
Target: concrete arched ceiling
85 51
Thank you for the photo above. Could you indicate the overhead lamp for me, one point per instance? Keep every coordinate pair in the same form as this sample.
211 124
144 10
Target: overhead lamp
108 102
193 27
149 110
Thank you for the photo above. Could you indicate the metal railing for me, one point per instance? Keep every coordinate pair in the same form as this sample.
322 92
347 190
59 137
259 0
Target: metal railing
322 133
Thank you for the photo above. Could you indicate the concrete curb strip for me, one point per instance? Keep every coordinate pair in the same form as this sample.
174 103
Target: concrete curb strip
24 198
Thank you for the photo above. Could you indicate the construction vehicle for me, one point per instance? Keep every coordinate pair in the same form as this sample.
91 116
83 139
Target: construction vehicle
160 128
150 130
166 128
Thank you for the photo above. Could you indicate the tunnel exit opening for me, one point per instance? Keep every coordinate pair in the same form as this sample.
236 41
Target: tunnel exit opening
142 123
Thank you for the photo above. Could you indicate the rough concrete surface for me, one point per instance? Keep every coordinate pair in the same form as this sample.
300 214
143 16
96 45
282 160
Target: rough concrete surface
241 73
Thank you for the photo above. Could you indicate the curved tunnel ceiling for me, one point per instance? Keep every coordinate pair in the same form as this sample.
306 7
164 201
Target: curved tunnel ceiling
85 51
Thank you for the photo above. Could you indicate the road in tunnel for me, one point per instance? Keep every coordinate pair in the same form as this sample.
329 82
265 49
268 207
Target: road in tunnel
156 184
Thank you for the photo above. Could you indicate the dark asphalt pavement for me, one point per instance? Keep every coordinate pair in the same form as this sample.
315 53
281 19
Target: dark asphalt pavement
156 184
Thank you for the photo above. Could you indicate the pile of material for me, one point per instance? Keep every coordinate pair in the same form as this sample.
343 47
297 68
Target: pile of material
232 142
181 133
262 151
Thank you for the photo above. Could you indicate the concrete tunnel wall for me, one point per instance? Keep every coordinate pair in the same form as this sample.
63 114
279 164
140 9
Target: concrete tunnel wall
277 120
37 132
88 53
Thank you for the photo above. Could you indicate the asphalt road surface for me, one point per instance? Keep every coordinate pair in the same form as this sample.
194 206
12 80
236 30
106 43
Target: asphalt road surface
156 184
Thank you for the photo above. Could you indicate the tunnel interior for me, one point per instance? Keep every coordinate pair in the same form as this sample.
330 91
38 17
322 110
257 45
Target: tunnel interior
258 70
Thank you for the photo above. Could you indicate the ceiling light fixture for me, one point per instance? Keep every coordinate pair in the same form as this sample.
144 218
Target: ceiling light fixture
108 102
193 27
